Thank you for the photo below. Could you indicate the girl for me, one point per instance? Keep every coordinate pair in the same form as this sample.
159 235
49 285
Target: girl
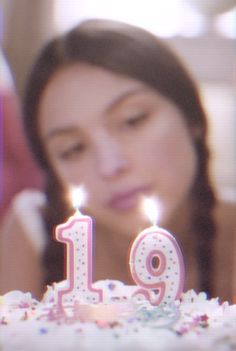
110 107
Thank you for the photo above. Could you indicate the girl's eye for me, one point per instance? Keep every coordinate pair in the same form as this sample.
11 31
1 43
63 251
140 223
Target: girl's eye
135 120
70 152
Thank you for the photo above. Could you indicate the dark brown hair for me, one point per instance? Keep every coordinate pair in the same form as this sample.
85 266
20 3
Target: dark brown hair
133 52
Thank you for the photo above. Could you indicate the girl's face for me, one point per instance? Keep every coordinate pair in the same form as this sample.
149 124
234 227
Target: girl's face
119 138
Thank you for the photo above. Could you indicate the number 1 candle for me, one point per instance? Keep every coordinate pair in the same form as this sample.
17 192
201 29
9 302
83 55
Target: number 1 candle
156 263
76 233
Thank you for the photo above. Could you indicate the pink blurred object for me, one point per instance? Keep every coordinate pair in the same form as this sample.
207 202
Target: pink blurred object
17 167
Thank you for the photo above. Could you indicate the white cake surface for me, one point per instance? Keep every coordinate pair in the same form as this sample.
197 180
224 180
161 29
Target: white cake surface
192 323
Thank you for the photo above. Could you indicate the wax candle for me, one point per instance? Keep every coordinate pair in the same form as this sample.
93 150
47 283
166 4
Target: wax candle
77 233
156 263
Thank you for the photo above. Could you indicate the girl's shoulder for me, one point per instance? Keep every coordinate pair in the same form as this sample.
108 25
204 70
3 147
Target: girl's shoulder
22 243
26 210
29 199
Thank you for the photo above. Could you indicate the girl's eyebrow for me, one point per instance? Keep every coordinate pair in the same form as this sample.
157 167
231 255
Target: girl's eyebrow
61 131
126 95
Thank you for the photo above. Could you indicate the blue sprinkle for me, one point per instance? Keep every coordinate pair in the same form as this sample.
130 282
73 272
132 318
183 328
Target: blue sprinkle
43 330
111 286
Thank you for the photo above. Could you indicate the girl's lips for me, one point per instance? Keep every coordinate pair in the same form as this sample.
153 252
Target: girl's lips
126 200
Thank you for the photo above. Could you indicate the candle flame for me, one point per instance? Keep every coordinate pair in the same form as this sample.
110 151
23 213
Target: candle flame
78 197
151 209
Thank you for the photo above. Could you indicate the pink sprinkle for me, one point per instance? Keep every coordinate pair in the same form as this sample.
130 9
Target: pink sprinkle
23 305
102 324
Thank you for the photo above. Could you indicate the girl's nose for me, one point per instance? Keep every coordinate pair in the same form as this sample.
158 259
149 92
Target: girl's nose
110 157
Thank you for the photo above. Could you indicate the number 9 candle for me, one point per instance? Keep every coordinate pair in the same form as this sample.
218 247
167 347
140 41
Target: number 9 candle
156 262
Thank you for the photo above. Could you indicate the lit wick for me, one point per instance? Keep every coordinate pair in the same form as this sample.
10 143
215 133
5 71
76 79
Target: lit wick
78 197
152 209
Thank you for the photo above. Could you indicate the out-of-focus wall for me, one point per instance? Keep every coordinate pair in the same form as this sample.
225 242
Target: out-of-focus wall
220 101
212 60
27 24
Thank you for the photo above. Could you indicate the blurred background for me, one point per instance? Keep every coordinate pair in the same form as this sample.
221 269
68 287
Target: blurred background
203 32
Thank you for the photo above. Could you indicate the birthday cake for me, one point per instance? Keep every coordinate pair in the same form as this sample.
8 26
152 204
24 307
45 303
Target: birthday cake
120 322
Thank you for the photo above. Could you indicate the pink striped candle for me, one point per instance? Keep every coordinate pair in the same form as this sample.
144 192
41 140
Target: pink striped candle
77 234
156 264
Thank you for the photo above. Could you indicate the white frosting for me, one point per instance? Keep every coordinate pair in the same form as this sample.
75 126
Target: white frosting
195 323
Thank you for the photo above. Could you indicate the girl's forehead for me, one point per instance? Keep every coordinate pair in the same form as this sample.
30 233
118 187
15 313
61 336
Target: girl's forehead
84 90
87 83
93 75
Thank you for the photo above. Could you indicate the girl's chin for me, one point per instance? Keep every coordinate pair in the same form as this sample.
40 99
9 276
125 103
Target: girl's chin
129 227
125 223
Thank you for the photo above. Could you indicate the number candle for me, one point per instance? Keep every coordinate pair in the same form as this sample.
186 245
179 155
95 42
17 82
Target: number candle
76 233
156 263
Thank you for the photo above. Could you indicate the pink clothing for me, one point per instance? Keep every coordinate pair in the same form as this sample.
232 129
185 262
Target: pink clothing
17 168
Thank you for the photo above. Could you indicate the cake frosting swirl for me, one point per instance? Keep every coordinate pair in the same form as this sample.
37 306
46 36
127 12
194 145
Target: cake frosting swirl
119 323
